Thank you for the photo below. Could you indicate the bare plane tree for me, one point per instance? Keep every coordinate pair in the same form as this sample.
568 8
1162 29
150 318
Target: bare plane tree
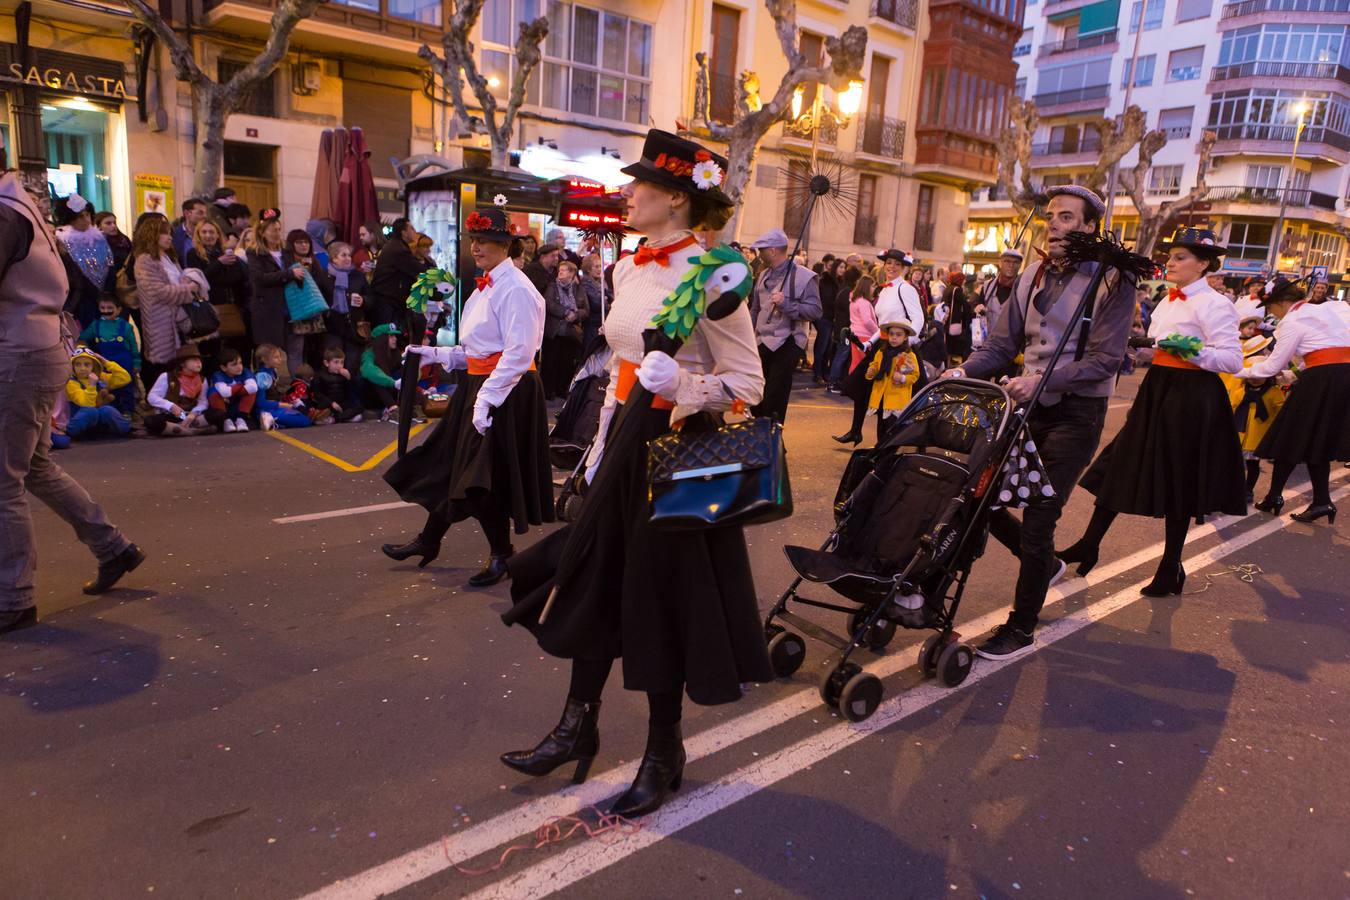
1151 218
754 117
213 102
457 56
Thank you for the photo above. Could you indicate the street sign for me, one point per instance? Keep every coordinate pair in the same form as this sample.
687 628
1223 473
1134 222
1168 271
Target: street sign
1319 273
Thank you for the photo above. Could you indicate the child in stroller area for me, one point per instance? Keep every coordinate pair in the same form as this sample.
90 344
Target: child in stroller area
893 372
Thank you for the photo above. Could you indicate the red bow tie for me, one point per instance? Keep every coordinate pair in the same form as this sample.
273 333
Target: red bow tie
888 284
483 281
1176 294
659 255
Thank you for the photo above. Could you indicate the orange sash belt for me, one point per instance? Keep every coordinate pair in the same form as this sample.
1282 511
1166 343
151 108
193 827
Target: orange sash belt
483 365
1329 356
1171 360
628 378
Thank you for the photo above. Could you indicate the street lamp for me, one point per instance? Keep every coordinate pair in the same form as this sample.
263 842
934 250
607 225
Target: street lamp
1301 110
850 100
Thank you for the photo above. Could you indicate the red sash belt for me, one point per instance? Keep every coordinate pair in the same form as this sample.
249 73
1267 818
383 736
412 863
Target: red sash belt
1171 360
628 378
1327 357
483 365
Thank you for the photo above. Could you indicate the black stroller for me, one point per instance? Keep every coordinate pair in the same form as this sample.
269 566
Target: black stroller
912 517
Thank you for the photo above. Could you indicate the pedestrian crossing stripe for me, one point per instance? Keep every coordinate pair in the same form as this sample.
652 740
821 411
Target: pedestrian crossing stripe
342 464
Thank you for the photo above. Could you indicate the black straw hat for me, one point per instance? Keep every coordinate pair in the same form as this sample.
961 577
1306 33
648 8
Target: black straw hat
490 224
671 161
1200 241
1282 289
899 256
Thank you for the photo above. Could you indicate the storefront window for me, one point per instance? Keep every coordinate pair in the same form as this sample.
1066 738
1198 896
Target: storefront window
77 151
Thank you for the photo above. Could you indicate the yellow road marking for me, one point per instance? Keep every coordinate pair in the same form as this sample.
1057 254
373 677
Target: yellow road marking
848 405
342 464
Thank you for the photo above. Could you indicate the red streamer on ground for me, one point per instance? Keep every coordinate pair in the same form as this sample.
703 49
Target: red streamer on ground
558 830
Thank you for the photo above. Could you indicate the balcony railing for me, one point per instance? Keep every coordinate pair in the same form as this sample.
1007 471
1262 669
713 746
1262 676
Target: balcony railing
1088 143
1270 196
1076 95
1280 70
950 150
827 130
722 97
1251 7
881 136
865 230
904 13
923 236
1281 133
1081 42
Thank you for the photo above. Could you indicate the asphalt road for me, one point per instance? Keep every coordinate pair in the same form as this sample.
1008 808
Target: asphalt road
270 708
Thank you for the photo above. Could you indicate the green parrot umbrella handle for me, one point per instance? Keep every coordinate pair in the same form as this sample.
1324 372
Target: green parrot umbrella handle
430 292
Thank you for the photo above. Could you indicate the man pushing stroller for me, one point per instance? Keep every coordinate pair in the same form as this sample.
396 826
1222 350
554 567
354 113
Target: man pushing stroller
1067 422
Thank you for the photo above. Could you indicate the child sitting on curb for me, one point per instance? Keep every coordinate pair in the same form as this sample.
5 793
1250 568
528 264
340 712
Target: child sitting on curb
233 391
114 338
90 392
272 376
179 396
332 389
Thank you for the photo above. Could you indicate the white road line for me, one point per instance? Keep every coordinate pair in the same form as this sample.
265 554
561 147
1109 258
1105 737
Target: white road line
581 860
339 513
424 862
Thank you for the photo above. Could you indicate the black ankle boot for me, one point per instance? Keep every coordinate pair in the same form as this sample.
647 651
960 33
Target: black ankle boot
1169 579
1083 554
494 570
418 546
111 572
576 737
1272 504
851 437
659 775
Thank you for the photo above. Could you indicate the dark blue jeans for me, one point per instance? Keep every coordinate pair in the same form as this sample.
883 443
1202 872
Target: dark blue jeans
843 353
822 351
1066 434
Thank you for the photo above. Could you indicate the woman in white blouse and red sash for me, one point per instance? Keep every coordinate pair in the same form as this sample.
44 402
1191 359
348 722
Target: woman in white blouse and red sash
1178 455
1314 426
678 607
487 457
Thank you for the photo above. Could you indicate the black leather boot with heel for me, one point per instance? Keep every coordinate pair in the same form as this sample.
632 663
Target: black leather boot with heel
1083 554
418 546
659 775
576 737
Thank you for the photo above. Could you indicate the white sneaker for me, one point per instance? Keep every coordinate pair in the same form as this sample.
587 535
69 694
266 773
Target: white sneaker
227 426
1060 572
240 425
357 418
269 421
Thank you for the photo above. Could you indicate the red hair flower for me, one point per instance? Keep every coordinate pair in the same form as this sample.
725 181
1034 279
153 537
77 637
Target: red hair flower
702 156
477 222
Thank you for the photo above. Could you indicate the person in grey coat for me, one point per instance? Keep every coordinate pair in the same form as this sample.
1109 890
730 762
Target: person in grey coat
786 299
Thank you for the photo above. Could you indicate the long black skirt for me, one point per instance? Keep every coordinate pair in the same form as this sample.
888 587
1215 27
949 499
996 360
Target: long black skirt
1178 452
1314 425
457 472
678 607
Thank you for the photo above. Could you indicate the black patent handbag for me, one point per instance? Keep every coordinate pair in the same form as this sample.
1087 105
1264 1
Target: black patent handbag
731 476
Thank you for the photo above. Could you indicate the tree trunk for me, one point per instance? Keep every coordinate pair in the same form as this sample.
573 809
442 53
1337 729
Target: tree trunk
740 162
210 118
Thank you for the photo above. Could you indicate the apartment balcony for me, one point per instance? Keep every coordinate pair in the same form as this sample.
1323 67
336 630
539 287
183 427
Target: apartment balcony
1258 196
826 133
900 13
1054 8
1286 12
1061 152
954 158
1277 140
1101 39
386 30
881 136
1281 70
865 231
1082 99
923 236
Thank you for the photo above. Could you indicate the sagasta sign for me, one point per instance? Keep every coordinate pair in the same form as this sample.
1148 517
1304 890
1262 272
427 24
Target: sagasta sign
65 72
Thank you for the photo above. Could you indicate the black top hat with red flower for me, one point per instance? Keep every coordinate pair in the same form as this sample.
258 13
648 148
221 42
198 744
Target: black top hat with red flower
490 224
1200 241
671 161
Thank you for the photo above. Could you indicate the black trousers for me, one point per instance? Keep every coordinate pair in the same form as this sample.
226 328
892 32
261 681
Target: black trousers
778 368
1066 434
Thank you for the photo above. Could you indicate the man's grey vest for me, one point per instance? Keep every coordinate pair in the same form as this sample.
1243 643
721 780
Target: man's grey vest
1043 331
33 291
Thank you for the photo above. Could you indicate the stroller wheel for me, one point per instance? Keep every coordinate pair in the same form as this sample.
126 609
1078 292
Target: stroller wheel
954 663
928 656
878 636
787 652
861 697
832 685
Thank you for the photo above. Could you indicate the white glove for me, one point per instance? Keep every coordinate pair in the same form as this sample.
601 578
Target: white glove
482 416
449 357
251 386
659 374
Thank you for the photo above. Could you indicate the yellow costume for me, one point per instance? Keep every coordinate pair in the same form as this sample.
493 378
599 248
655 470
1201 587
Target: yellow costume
889 393
1251 427
81 393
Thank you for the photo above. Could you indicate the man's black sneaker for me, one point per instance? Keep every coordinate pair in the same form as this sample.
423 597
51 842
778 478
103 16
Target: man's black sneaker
1007 642
15 619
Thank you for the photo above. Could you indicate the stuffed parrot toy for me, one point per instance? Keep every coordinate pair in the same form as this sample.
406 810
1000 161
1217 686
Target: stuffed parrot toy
716 275
430 292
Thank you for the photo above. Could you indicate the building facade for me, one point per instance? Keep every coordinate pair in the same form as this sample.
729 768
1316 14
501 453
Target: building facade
1239 69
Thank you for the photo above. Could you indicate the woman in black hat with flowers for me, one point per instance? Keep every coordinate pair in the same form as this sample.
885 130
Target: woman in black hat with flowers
1178 455
487 457
1313 428
678 607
